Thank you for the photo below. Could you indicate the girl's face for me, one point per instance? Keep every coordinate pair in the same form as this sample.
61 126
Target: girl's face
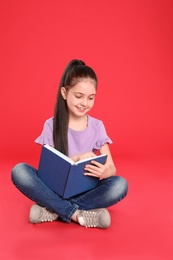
80 98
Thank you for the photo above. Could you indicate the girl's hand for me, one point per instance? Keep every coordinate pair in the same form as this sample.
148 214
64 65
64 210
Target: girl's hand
83 156
97 169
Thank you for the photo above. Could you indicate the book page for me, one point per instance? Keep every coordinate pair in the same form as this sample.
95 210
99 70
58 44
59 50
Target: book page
66 158
91 158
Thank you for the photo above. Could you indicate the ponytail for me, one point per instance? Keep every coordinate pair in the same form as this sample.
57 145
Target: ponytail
73 73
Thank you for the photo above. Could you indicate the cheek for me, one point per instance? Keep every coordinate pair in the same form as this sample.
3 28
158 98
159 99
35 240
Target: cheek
91 103
72 101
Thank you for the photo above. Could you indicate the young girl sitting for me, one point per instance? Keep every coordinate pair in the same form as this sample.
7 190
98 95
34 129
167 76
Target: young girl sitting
76 134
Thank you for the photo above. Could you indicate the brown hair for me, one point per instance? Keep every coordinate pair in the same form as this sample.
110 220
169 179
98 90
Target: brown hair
75 71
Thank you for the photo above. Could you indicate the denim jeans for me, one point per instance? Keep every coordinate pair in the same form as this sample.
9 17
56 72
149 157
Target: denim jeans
107 193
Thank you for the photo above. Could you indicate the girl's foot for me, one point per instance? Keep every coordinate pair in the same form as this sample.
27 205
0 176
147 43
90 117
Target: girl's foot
99 218
40 214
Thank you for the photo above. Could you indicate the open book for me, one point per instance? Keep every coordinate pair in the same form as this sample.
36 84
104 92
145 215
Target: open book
63 175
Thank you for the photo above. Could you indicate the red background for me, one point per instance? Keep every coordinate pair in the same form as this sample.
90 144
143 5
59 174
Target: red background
128 44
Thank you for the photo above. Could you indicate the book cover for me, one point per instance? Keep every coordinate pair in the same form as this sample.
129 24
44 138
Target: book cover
64 176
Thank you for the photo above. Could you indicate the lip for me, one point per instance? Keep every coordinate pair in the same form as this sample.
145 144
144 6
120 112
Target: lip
80 109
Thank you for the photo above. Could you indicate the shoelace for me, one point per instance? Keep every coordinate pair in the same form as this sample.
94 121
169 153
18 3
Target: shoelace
47 215
90 218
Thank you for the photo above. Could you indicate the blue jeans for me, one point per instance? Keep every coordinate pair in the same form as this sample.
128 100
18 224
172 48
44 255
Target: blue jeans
107 193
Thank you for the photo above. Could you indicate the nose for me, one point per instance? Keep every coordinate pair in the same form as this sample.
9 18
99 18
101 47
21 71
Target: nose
84 102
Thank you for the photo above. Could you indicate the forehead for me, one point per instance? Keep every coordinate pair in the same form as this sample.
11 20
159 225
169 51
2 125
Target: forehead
87 86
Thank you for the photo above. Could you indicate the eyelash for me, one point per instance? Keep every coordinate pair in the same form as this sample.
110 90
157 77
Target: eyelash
89 98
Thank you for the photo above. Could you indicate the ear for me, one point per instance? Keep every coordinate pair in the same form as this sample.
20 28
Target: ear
63 93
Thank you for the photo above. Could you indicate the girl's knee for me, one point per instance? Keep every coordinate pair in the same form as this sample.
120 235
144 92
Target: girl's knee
17 171
123 185
120 186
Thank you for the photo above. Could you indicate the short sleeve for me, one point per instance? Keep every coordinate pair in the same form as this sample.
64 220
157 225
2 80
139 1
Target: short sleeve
103 138
46 136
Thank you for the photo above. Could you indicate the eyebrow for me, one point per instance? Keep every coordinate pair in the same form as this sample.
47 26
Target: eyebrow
84 94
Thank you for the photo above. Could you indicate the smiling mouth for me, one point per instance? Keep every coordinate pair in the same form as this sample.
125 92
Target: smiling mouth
81 108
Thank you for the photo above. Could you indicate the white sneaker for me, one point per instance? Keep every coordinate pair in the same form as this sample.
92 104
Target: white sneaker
99 218
40 214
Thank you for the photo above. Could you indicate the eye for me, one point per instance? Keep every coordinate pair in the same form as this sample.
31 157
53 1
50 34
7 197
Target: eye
78 96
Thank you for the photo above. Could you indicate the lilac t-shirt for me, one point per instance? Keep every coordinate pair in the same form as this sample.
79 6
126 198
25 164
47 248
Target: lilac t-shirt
90 139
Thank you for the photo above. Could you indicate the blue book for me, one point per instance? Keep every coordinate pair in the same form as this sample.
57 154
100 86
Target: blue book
63 175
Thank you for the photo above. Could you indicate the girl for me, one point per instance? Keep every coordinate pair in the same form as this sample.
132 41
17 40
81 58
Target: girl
78 135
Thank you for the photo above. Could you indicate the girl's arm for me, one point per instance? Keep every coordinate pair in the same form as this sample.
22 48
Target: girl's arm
99 170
